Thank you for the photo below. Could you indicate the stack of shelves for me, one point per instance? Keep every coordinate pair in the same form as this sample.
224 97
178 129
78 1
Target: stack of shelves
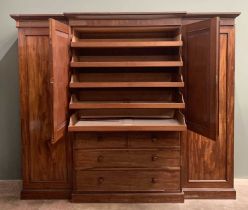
126 79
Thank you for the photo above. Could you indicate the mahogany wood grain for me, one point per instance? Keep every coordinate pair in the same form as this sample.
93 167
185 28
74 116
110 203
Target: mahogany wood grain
127 75
156 180
229 33
201 73
128 95
125 113
59 39
176 124
43 166
215 157
45 194
126 54
128 197
154 140
88 43
74 22
125 19
96 140
209 193
125 105
126 78
124 84
139 36
125 61
132 154
131 158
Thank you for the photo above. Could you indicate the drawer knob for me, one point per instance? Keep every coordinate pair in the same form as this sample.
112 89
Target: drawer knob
100 158
99 138
100 180
154 157
154 139
154 180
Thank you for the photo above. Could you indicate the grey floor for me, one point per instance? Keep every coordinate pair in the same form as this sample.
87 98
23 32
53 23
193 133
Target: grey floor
9 199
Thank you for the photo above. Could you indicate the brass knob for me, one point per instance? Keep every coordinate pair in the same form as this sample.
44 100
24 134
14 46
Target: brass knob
100 158
154 180
100 180
154 157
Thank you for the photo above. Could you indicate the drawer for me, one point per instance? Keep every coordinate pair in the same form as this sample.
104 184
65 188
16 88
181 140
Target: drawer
124 180
99 140
153 158
154 140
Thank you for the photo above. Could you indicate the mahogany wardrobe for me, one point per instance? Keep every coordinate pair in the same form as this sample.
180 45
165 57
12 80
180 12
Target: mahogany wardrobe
127 107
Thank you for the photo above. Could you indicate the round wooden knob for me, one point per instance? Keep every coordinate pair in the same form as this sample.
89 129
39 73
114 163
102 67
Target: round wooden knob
154 139
154 180
100 180
99 138
100 158
154 157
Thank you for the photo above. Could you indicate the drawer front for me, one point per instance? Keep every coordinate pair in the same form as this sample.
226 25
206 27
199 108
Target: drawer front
87 159
154 140
100 140
127 180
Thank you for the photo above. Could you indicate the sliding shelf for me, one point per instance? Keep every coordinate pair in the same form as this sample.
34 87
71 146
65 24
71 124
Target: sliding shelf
130 80
123 105
112 43
124 84
126 113
177 103
126 61
111 88
174 124
126 80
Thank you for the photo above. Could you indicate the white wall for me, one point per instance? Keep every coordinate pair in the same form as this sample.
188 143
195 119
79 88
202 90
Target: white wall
9 128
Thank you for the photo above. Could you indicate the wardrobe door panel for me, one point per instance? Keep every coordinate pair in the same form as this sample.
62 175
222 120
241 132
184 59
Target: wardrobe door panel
44 165
207 162
59 39
201 76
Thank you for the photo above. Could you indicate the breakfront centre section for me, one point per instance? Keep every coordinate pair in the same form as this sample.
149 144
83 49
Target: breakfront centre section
127 107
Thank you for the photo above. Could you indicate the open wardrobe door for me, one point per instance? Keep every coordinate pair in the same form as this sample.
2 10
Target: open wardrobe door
201 51
59 43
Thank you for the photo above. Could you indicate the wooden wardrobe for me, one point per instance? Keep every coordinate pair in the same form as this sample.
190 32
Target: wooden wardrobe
127 107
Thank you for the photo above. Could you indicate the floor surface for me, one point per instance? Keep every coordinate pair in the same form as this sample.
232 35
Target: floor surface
9 199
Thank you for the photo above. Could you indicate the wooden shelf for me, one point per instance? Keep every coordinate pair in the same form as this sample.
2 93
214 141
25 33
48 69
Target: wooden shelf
124 84
126 113
169 31
177 103
126 80
126 61
112 43
151 104
123 105
175 124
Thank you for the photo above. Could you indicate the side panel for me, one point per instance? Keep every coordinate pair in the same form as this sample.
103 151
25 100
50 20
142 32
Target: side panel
208 163
45 166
